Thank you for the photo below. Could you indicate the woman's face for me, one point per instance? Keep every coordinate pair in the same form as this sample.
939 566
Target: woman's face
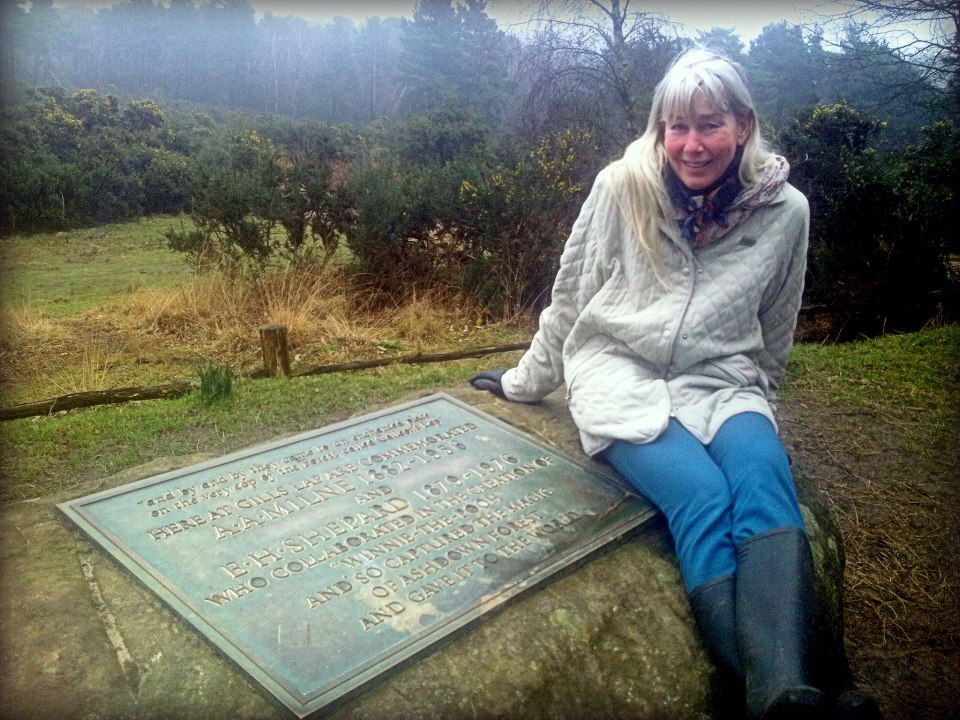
701 147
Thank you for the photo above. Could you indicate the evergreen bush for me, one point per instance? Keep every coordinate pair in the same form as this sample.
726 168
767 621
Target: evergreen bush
878 220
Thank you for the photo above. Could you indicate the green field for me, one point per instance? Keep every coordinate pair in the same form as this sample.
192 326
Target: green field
58 274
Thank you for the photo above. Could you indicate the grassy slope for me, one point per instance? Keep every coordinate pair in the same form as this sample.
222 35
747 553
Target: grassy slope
66 292
54 453
112 307
64 273
877 424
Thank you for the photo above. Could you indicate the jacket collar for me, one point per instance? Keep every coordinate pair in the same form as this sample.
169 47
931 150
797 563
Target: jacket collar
670 228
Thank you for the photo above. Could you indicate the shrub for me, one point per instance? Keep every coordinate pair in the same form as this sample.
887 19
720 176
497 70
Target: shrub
519 216
492 230
235 202
31 178
442 136
405 235
195 244
315 211
872 258
247 187
77 159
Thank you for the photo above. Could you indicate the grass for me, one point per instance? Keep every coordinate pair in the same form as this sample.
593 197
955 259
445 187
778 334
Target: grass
58 452
161 334
59 274
84 333
906 369
877 425
216 383
897 376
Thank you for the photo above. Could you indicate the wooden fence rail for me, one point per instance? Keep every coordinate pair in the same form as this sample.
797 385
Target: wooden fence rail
94 397
179 389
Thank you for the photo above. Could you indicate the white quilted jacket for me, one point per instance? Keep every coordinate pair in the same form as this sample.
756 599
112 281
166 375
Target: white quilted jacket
633 353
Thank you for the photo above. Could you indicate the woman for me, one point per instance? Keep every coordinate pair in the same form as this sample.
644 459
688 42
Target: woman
671 319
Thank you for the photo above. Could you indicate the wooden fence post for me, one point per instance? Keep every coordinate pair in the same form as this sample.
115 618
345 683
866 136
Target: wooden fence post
276 357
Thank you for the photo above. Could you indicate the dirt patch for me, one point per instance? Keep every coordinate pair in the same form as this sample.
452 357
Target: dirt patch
896 503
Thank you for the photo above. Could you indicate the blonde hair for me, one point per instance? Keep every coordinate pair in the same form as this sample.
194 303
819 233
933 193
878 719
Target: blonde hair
723 85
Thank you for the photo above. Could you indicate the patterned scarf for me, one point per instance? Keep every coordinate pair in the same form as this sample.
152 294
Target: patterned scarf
704 215
708 204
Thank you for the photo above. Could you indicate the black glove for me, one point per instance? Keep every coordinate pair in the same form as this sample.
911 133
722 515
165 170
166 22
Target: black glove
491 381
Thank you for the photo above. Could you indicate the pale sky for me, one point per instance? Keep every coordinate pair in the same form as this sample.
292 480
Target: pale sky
746 17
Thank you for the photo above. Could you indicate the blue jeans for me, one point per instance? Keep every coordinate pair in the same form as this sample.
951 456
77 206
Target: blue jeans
713 496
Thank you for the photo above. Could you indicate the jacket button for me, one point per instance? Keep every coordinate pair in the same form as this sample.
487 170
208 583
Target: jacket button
686 271
684 336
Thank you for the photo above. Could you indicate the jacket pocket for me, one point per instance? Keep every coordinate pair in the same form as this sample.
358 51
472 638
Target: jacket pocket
736 369
591 352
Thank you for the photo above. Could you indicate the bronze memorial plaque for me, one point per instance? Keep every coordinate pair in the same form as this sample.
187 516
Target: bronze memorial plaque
318 562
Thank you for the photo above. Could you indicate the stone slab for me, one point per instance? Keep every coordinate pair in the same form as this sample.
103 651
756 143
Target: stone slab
319 562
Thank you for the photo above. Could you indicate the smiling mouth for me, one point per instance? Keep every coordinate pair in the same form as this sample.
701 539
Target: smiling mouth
696 164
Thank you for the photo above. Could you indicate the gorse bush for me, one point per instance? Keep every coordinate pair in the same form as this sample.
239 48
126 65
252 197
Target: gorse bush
406 235
879 221
442 136
492 229
520 215
236 200
252 201
81 158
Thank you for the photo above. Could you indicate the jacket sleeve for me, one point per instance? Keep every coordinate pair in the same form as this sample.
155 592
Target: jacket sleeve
781 301
581 274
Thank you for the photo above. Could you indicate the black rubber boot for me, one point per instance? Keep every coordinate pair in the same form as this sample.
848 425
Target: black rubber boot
775 626
856 705
714 610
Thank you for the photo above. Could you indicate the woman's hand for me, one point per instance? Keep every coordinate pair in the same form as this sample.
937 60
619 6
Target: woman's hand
491 381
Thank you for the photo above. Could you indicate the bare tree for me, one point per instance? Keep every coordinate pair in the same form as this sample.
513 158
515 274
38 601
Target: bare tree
921 32
597 60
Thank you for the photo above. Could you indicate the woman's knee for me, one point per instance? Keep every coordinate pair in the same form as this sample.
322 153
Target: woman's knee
672 472
748 450
747 435
756 464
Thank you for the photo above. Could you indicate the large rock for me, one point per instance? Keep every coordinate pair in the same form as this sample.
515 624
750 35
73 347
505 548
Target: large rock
81 639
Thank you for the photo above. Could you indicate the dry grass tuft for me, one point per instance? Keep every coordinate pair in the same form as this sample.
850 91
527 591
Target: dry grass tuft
318 310
155 335
299 300
209 308
219 316
26 326
31 344
428 316
92 372
227 310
